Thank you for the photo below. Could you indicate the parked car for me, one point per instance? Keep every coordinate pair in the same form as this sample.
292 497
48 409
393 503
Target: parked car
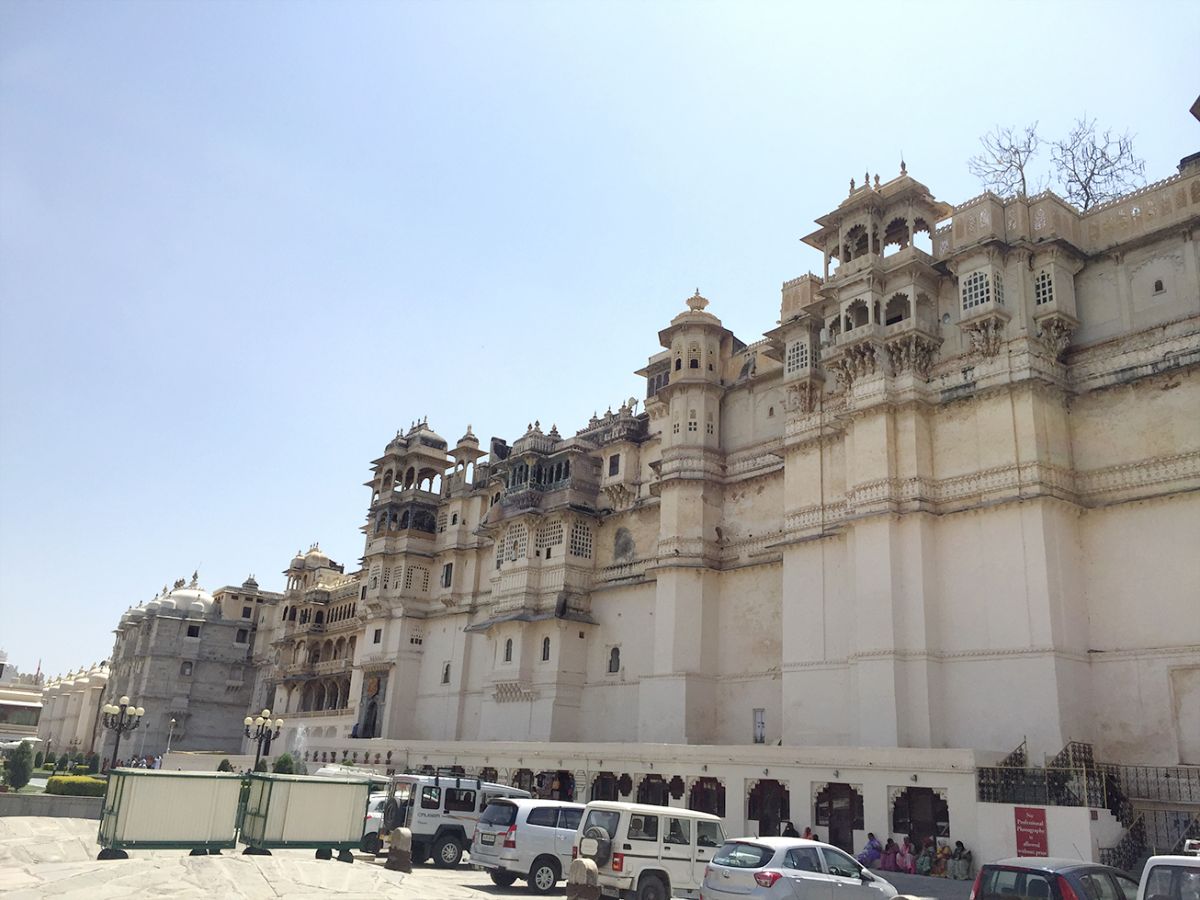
1046 878
647 852
793 868
529 839
373 822
442 812
1171 877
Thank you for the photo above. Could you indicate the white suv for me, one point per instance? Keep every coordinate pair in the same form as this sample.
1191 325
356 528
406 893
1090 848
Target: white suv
530 839
648 852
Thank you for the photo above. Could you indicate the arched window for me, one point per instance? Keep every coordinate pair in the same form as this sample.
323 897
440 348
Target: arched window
508 650
445 673
614 659
545 649
976 290
678 364
1158 286
693 363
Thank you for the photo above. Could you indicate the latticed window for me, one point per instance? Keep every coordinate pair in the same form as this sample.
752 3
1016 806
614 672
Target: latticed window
499 553
1043 288
517 541
581 541
549 535
416 575
387 577
797 356
976 290
441 521
999 289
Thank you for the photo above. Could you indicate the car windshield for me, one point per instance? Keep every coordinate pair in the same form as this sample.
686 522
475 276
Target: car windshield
602 818
737 855
499 814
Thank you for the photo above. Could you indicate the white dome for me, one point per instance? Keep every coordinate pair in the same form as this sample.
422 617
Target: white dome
167 602
153 606
194 600
136 614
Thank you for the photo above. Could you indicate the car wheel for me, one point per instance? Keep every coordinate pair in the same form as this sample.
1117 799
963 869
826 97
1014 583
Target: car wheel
504 879
543 875
447 853
652 888
371 843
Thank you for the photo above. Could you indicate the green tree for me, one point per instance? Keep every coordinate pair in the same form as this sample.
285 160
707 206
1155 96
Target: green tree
284 764
38 759
93 763
261 766
50 757
225 766
20 766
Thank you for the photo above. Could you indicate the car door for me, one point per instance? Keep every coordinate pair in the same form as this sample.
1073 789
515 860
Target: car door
709 839
679 851
568 824
807 877
846 876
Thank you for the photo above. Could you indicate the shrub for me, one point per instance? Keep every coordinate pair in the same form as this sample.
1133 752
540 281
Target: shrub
225 766
93 763
284 765
76 786
261 766
48 767
80 769
38 759
19 766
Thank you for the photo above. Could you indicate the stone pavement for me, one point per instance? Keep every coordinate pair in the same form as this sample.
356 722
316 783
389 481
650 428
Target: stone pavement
923 886
53 857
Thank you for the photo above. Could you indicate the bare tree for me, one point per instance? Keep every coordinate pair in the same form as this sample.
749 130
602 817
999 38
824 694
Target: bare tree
1094 168
1003 164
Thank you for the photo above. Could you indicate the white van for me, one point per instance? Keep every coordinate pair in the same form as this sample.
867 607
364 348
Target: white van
648 852
441 811
1171 878
529 839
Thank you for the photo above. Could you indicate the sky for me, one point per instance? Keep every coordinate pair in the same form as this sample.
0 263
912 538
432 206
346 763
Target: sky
241 244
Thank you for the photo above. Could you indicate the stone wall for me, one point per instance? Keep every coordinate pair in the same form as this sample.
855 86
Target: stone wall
50 805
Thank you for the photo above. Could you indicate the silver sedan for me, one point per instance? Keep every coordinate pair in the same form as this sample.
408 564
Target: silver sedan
792 868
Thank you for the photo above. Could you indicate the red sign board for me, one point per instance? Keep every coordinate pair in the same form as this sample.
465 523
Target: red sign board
1031 831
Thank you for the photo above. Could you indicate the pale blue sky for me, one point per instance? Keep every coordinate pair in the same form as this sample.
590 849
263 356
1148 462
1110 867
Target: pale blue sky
242 244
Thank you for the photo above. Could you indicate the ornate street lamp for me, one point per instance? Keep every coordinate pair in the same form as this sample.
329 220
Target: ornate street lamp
259 730
170 734
120 718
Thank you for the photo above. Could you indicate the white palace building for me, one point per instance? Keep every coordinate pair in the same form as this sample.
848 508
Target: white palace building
937 527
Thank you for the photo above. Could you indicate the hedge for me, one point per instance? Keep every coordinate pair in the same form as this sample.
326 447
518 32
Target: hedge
76 786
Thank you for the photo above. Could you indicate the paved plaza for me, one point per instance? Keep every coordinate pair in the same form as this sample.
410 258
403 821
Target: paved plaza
52 857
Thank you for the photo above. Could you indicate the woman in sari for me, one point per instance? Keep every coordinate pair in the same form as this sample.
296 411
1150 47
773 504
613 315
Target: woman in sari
925 857
904 858
872 853
888 864
941 860
960 862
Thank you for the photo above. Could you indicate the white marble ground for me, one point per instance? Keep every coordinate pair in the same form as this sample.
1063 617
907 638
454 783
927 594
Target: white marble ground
49 857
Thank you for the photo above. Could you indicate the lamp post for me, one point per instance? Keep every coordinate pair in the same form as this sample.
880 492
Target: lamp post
120 718
170 734
259 730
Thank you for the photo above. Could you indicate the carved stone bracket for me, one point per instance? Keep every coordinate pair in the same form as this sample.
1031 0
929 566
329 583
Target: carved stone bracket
1055 331
857 361
912 353
619 495
802 397
986 334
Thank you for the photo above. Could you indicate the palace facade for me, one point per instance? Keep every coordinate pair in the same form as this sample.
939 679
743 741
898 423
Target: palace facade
949 499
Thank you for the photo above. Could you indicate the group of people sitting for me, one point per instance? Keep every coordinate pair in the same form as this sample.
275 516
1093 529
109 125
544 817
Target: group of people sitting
935 858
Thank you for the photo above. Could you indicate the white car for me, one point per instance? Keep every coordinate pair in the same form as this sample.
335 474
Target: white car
442 811
1170 878
648 852
530 839
775 868
373 823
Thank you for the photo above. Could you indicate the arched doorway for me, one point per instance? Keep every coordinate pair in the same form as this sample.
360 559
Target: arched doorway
604 787
707 795
523 779
370 720
921 813
838 808
653 789
768 804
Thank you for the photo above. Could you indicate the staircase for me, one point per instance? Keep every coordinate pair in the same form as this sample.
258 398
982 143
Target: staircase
1159 807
